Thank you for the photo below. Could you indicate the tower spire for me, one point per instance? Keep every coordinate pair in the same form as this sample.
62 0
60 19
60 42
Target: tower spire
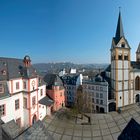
119 30
138 49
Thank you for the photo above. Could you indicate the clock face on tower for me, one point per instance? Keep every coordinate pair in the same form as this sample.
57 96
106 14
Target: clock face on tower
33 83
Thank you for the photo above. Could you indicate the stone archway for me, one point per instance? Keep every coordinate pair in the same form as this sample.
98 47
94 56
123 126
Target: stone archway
34 119
112 107
102 110
137 98
97 109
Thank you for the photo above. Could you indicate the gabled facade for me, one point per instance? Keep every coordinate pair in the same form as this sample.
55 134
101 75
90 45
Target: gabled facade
21 88
55 90
120 68
71 83
123 75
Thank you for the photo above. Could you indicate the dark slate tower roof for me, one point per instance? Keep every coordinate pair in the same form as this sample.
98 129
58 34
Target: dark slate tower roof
119 30
138 50
131 131
53 80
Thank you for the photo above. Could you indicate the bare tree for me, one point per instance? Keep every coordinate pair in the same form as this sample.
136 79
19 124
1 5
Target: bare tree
83 103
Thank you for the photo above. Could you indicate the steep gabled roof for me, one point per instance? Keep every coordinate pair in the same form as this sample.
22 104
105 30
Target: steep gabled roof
5 93
119 30
11 130
70 79
15 69
135 65
138 49
52 80
108 69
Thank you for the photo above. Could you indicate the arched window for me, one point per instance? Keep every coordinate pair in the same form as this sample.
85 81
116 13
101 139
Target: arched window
119 57
137 83
123 45
125 57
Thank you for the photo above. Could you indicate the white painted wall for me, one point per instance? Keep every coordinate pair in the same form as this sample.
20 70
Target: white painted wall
11 113
39 92
120 100
126 64
126 98
42 111
93 91
23 113
120 75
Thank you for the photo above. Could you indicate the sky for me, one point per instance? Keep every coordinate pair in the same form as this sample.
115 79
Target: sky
78 31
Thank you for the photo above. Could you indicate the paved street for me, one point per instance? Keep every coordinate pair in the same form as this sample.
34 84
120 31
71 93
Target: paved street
103 127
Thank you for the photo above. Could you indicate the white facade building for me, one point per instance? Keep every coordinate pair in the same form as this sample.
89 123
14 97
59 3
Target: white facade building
71 83
22 92
123 74
97 91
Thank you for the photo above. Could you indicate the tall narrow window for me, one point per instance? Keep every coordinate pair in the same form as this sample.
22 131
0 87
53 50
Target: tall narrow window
137 83
101 95
114 57
16 104
120 57
33 101
24 84
2 110
17 85
125 57
101 102
1 88
41 92
25 102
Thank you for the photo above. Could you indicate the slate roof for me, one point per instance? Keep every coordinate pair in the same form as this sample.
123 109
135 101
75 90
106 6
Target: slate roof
15 69
131 131
135 65
108 69
119 30
53 80
46 101
37 131
11 129
138 49
70 79
5 88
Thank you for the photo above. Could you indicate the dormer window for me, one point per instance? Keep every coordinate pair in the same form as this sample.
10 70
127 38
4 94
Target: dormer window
39 80
123 45
3 72
4 63
1 88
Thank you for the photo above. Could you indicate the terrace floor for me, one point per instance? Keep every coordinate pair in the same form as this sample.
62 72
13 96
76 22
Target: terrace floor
103 126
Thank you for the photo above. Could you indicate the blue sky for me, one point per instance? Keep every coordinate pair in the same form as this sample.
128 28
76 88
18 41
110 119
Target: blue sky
78 31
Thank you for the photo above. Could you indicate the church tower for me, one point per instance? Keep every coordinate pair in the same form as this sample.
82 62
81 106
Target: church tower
120 68
138 54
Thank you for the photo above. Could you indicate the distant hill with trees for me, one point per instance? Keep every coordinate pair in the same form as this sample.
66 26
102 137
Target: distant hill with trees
57 67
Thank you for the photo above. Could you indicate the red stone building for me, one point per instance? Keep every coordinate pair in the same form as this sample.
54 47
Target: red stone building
55 90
